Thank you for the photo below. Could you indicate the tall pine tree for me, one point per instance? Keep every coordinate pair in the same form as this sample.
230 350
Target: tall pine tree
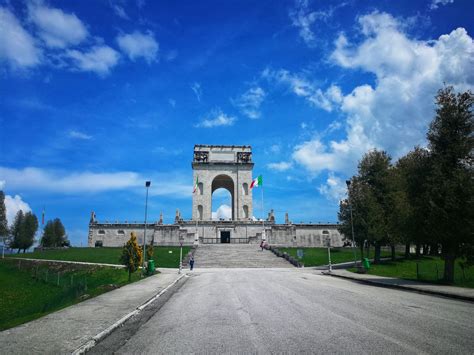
3 216
451 185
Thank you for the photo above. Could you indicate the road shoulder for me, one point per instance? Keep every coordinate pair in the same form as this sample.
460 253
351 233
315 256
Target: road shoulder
466 294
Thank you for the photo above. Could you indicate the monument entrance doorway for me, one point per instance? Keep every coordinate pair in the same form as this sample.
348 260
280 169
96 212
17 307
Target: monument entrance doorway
225 236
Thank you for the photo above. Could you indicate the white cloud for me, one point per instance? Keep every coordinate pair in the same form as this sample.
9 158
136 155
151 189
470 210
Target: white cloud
196 88
139 45
281 166
224 212
216 118
436 3
100 59
250 101
304 19
79 135
36 179
301 86
17 47
56 28
275 148
394 113
120 12
13 205
334 189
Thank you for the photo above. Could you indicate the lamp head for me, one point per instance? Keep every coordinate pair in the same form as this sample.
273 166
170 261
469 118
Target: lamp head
148 183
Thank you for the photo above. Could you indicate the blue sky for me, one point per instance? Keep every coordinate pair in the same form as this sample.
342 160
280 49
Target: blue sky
98 96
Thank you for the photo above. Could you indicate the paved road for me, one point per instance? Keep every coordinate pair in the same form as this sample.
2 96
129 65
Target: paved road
298 311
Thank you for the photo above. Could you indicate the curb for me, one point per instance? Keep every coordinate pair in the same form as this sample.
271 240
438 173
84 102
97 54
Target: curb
118 266
406 288
98 337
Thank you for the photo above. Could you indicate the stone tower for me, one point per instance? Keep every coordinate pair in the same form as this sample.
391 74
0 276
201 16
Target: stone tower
222 166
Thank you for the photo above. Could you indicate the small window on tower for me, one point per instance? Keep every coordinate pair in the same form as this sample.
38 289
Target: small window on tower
101 231
121 232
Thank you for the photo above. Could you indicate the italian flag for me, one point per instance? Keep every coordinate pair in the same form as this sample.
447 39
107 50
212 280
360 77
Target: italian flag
196 185
256 182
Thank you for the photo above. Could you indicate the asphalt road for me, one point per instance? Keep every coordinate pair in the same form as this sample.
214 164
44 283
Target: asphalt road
297 311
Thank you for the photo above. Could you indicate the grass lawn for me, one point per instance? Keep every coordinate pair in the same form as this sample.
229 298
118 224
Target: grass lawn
319 256
162 255
30 291
430 269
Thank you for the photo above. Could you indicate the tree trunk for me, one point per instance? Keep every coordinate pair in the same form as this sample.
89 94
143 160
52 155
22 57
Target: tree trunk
377 253
392 247
18 252
417 250
449 259
433 249
425 249
129 275
361 251
407 251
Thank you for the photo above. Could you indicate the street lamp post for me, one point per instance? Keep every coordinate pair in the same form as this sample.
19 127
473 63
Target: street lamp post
147 185
348 183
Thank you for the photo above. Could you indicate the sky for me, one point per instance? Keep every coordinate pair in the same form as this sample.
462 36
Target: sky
96 97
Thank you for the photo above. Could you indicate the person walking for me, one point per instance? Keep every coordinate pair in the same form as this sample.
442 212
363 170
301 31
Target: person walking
262 244
191 262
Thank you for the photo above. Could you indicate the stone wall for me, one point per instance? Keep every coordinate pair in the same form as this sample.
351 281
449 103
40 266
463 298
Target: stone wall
297 235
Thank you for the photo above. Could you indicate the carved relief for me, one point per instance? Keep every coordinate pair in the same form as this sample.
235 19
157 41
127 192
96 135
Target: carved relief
202 157
244 157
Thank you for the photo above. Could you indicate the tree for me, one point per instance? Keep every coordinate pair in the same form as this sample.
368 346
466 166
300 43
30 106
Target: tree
132 255
28 231
54 234
3 216
16 230
373 172
24 229
451 181
409 216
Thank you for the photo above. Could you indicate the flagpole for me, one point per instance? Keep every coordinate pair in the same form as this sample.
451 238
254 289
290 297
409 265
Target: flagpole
263 217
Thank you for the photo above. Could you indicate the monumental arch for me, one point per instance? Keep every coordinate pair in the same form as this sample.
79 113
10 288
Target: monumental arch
222 166
214 167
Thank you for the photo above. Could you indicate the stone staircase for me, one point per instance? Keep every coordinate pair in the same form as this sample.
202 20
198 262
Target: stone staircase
235 256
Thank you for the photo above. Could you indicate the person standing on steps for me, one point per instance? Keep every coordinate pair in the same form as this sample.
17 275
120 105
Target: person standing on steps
262 244
191 262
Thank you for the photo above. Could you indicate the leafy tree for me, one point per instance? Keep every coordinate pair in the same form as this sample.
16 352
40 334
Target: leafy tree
132 255
358 194
16 230
28 231
373 173
451 181
3 216
54 234
413 172
149 251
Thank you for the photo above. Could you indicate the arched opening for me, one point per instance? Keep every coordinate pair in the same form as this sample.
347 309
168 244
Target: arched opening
200 210
200 188
246 211
222 204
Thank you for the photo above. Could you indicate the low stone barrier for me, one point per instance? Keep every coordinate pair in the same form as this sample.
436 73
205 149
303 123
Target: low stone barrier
284 255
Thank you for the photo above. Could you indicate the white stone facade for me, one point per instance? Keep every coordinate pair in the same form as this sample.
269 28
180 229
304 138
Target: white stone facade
212 232
214 167
228 167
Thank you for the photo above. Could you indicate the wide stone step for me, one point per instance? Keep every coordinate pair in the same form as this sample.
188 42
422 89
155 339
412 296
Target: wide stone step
237 256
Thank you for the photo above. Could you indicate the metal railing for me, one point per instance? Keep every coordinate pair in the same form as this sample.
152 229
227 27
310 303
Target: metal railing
218 241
